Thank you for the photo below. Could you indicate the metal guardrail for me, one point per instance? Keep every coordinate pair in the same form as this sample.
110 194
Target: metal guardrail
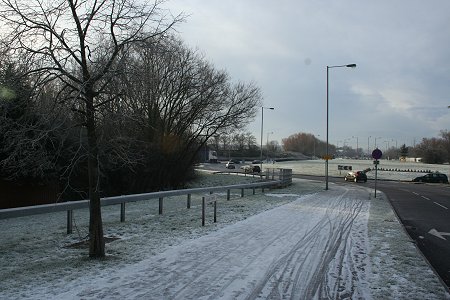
122 200
282 175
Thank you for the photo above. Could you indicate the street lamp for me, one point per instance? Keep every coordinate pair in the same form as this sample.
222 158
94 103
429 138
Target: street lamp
327 157
368 145
376 141
357 153
262 128
267 145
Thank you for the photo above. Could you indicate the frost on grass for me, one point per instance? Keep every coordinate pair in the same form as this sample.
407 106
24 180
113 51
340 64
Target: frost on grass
398 269
37 254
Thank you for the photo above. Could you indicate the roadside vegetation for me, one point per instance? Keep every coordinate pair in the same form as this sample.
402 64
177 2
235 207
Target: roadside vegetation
103 98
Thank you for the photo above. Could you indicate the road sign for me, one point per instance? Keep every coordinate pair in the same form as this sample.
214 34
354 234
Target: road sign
327 157
377 153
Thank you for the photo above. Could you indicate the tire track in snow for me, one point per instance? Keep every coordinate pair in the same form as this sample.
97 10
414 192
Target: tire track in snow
301 250
302 273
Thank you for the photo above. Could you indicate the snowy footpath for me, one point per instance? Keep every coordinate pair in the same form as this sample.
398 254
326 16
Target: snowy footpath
324 245
299 242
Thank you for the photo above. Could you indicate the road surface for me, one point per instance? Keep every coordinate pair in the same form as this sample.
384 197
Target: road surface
424 210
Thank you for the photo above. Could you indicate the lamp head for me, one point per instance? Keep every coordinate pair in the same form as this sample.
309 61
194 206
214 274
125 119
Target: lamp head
351 66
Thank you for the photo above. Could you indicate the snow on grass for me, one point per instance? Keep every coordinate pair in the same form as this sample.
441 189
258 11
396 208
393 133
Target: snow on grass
398 269
37 254
39 260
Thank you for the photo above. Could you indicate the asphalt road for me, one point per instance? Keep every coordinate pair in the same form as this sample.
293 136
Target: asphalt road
424 210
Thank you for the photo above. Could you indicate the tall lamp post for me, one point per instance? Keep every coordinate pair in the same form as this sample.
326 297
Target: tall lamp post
327 157
267 145
357 153
262 128
376 141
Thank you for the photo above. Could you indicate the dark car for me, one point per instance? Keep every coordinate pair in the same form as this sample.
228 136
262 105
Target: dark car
433 178
356 176
251 169
230 165
256 169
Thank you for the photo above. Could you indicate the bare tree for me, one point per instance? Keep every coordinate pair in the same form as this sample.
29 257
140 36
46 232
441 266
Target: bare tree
181 100
81 45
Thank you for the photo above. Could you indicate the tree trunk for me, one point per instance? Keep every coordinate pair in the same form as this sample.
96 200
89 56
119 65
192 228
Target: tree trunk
96 239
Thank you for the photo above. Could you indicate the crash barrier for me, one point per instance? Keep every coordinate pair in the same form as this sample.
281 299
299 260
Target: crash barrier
341 167
284 176
404 170
122 200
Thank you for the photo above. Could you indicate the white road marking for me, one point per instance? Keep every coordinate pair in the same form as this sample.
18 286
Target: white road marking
426 198
438 234
440 205
415 193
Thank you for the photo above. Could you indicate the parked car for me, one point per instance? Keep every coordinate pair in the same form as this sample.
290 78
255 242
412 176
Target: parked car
230 165
256 162
251 169
433 178
256 169
356 176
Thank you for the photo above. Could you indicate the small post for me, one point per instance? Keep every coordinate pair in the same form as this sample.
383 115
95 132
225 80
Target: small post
242 193
215 211
228 194
122 212
254 192
376 175
69 221
161 206
189 201
203 210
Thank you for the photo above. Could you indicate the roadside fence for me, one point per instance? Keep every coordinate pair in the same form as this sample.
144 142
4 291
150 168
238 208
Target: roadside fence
122 200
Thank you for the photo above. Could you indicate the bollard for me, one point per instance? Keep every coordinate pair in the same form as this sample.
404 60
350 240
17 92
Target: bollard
228 194
69 221
242 193
122 212
189 201
203 210
215 211
160 206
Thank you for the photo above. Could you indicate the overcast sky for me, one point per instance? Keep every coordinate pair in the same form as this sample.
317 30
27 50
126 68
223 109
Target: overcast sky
398 93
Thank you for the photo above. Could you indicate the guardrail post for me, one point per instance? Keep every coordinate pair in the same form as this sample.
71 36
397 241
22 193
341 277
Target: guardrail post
242 192
215 211
203 210
122 212
69 221
189 201
161 206
228 194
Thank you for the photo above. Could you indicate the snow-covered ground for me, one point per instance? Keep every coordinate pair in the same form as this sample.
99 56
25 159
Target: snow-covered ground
295 243
387 169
